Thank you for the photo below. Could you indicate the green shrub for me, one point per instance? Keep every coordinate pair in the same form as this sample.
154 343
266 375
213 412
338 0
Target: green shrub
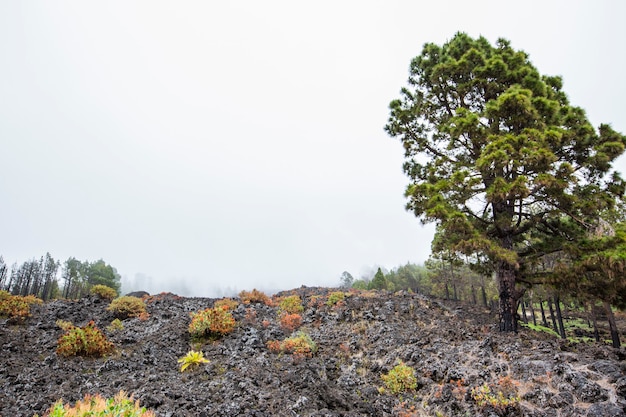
212 322
115 325
400 379
335 297
16 307
118 406
290 305
127 306
191 360
86 341
103 291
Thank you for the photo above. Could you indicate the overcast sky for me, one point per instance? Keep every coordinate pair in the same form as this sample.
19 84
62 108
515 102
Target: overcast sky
201 146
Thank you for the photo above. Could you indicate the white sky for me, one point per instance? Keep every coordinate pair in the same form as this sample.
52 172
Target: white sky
199 145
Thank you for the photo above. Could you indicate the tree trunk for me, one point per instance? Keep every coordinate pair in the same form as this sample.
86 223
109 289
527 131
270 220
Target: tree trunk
473 294
508 297
543 314
559 316
612 325
484 295
447 292
532 311
552 315
594 320
524 317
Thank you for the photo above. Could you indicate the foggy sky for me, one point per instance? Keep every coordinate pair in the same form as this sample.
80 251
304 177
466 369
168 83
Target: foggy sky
204 147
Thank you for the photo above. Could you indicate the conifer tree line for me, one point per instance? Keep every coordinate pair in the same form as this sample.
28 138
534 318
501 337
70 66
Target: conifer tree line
39 277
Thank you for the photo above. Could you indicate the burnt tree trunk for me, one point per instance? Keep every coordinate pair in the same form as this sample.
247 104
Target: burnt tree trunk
594 321
509 296
612 325
524 317
559 316
543 314
552 315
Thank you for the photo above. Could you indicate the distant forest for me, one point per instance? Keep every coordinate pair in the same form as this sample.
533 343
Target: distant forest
39 277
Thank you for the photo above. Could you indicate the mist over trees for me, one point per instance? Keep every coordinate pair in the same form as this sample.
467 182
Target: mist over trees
509 171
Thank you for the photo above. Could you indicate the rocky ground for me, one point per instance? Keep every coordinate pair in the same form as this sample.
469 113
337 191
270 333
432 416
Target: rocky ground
453 349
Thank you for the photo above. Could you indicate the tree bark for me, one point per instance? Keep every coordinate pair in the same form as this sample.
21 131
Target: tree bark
532 311
559 316
484 295
543 314
552 315
524 316
594 320
509 296
612 325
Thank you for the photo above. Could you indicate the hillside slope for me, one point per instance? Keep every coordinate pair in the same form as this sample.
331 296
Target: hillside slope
456 353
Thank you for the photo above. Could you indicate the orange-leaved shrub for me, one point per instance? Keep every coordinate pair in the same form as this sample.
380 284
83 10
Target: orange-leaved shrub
290 322
254 296
229 303
103 291
96 405
211 322
16 307
86 341
299 344
127 306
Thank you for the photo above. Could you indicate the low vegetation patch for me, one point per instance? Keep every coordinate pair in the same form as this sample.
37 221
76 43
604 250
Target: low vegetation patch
290 305
335 298
191 360
501 396
116 325
16 307
95 405
291 322
400 378
127 306
229 303
299 344
212 322
103 291
255 296
85 341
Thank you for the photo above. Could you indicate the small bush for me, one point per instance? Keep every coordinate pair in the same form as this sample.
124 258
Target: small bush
300 344
120 405
127 306
290 305
16 307
335 297
103 291
85 341
500 396
212 322
400 379
291 322
229 303
64 324
191 360
115 326
254 296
